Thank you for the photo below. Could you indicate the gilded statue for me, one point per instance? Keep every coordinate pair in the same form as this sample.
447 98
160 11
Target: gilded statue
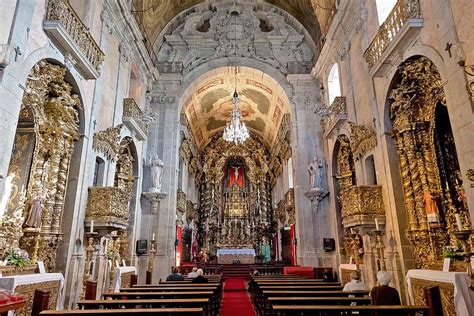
34 211
431 209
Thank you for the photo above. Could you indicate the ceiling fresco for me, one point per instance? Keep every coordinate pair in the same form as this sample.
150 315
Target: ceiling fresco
262 102
154 15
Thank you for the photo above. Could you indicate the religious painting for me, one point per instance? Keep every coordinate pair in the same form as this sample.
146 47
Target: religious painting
276 115
235 176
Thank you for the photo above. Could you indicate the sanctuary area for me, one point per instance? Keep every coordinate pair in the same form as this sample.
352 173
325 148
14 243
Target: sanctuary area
236 157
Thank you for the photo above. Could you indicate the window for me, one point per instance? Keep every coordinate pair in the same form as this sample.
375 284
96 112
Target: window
290 173
99 172
334 85
370 172
384 7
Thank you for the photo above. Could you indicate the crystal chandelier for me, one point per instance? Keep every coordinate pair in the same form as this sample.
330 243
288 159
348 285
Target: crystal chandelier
236 131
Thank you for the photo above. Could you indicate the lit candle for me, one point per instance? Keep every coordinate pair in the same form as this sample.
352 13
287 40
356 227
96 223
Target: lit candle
153 236
458 221
377 224
92 226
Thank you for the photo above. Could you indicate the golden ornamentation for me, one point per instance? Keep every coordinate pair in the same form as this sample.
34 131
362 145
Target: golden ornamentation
108 204
412 113
126 279
108 142
333 114
362 139
361 204
61 10
470 176
181 200
131 110
446 291
56 118
346 276
401 13
124 167
28 291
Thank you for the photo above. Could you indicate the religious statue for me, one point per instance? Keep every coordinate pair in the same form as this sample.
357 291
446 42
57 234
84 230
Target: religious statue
265 251
156 166
316 172
34 211
431 209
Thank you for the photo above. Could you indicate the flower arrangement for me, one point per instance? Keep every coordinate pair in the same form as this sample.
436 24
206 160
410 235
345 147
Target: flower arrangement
18 257
453 252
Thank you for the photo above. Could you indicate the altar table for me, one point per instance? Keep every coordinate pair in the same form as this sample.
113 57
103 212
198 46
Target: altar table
27 284
122 277
229 255
454 289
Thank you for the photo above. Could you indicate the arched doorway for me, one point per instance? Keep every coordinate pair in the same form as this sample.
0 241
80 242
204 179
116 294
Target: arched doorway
431 181
47 131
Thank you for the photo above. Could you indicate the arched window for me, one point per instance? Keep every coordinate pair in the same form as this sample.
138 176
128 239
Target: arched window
384 7
99 172
290 173
370 173
135 87
334 84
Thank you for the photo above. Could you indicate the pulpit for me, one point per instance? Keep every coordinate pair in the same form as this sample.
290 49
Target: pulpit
231 255
456 297
27 284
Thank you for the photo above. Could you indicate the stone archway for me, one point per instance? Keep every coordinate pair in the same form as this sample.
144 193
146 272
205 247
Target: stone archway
431 181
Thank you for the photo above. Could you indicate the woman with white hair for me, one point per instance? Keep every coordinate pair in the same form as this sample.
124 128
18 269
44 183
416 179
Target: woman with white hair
356 283
383 294
200 277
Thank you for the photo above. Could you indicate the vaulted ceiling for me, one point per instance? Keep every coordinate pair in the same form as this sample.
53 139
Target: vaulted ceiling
208 103
154 15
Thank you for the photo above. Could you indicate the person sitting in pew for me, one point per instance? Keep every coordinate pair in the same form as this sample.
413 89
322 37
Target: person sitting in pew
200 277
193 274
175 276
384 294
356 283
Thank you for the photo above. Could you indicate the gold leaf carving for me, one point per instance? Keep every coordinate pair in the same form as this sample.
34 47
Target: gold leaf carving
108 142
362 139
446 292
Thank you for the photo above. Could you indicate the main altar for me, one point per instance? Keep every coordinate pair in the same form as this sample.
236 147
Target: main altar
236 255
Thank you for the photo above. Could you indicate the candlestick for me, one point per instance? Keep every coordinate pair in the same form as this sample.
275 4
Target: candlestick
458 221
377 224
92 226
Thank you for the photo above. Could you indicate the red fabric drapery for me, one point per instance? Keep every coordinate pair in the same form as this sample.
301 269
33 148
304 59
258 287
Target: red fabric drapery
293 246
179 247
236 175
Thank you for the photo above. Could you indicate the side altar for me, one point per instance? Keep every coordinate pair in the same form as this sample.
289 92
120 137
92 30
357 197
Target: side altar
233 255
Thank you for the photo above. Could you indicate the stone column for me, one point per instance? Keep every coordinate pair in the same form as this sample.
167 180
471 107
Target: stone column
306 135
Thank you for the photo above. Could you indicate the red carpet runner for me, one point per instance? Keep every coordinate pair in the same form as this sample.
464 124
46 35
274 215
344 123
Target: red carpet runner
236 300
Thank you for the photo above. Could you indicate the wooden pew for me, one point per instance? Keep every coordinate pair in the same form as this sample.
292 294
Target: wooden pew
136 312
323 300
145 303
283 310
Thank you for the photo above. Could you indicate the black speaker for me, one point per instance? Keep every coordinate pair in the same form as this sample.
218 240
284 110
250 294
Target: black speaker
142 247
329 244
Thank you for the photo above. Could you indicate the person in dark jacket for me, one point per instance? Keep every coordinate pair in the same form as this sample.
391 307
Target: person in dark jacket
383 294
200 277
175 276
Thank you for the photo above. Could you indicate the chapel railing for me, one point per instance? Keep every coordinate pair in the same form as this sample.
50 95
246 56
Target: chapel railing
107 207
132 117
61 19
333 115
361 204
403 11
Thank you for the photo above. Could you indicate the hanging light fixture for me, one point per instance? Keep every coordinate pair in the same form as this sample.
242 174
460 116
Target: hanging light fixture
236 131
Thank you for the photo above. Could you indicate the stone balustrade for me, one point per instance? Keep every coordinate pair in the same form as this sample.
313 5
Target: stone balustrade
132 117
334 115
361 204
107 207
68 32
403 11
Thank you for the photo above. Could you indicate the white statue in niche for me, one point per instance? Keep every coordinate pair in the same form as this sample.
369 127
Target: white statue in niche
316 173
156 166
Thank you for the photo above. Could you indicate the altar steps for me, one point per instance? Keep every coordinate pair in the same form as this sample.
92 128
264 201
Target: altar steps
236 271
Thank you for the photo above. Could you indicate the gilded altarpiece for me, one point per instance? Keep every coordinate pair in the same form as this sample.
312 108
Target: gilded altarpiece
431 181
50 109
235 196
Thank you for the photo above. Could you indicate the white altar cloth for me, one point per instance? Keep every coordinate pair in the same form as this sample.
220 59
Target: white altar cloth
11 282
118 276
236 251
463 297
